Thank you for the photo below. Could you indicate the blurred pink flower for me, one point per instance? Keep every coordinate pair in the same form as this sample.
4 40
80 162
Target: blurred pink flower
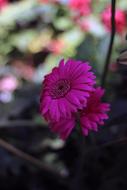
90 116
8 83
120 19
84 25
56 46
3 3
95 112
24 68
81 6
66 89
48 1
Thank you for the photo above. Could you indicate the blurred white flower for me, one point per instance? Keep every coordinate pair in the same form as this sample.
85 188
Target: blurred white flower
6 97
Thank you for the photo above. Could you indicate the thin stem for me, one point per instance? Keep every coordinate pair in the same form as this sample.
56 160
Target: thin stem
111 143
18 123
108 57
76 182
30 159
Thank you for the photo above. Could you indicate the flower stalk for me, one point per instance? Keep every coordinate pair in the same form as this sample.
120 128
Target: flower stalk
108 57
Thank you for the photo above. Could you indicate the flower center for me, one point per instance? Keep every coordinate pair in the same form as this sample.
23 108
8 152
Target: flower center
60 88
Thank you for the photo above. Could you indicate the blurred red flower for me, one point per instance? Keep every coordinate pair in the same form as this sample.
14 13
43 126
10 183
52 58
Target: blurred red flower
81 6
120 19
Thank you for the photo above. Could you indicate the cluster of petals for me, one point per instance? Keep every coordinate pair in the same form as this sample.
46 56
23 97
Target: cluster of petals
81 6
90 117
95 113
69 92
120 19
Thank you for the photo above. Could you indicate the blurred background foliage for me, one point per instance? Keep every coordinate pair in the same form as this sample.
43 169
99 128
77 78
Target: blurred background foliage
34 36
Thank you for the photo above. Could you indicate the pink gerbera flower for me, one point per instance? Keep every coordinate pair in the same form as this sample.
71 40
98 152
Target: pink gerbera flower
90 117
95 112
66 89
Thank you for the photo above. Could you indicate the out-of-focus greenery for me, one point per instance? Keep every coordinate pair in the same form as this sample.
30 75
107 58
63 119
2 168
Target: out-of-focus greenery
29 25
35 35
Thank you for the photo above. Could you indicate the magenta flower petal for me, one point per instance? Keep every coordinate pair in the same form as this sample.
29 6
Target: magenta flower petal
64 127
66 90
95 113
